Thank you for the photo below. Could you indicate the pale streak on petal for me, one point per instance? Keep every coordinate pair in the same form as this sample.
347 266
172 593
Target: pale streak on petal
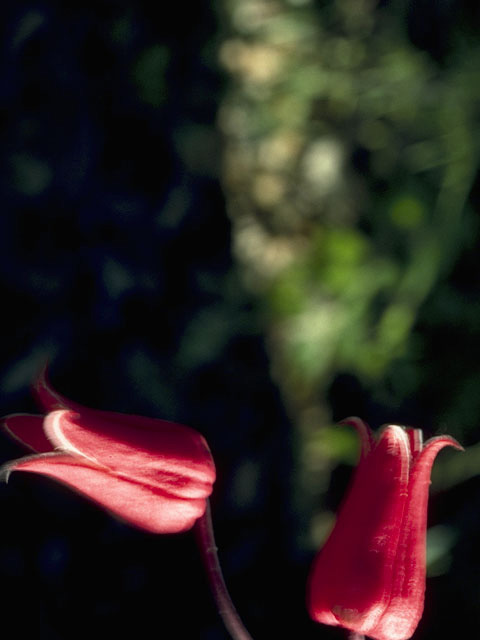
52 425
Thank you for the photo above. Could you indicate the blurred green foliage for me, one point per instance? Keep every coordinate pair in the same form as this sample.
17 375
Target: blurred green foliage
350 155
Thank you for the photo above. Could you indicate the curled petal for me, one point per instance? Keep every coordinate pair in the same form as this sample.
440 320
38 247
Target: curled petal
169 456
408 588
154 474
144 506
367 441
350 583
370 575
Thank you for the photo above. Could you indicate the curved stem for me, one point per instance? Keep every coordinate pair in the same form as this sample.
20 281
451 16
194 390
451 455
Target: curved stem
208 549
356 636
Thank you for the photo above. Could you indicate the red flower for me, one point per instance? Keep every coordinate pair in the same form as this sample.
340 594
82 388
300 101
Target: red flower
370 575
154 474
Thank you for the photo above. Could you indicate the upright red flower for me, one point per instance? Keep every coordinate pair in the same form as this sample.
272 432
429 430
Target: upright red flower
370 575
154 474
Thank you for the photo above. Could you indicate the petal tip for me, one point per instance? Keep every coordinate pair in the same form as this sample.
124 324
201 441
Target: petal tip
353 421
367 439
5 471
444 440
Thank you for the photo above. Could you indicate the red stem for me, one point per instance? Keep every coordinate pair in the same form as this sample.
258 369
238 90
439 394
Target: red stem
208 549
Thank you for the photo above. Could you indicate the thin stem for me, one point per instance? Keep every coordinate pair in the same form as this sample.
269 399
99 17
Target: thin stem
208 549
356 636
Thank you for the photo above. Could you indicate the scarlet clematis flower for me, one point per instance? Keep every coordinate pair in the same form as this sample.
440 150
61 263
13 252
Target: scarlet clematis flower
370 575
154 474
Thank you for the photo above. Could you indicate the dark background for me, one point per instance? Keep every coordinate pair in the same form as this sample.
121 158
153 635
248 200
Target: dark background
116 265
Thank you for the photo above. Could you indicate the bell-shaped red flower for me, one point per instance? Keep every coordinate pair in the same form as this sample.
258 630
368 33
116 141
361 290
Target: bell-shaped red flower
370 575
153 474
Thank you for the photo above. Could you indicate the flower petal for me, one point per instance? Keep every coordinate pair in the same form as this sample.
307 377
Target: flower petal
27 429
115 440
146 507
351 579
415 437
408 589
168 456
367 441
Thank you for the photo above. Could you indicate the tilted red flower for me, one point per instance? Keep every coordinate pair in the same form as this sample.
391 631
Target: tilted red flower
154 474
370 575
